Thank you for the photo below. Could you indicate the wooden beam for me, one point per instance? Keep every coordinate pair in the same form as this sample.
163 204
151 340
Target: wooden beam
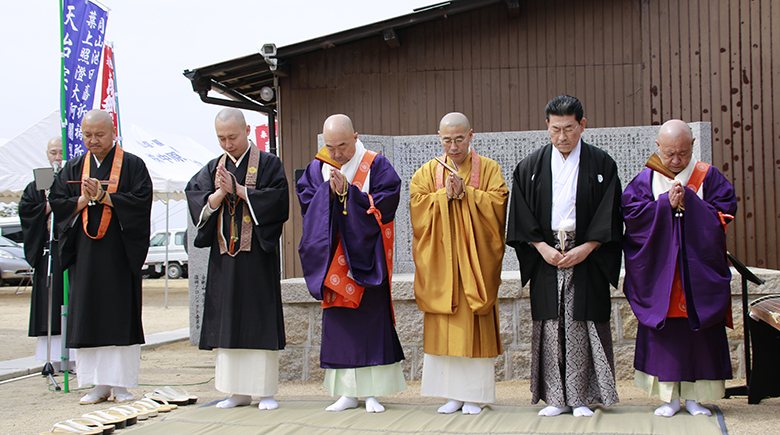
513 7
391 38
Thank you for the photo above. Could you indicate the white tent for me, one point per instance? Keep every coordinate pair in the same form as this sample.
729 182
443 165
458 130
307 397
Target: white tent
21 154
171 160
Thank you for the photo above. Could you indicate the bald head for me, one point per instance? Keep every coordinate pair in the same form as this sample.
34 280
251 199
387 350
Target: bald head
455 134
97 116
675 145
340 138
454 119
54 150
97 129
338 122
232 132
228 114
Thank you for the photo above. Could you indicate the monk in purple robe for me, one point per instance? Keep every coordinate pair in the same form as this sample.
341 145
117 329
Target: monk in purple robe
677 275
360 348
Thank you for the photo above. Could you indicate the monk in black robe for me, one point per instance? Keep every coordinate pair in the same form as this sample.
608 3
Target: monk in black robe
34 213
104 236
239 202
565 224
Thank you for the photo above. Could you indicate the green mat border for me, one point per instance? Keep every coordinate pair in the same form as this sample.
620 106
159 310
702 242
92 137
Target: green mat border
172 418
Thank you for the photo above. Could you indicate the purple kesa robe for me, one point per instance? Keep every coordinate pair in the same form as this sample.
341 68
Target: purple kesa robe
364 336
655 243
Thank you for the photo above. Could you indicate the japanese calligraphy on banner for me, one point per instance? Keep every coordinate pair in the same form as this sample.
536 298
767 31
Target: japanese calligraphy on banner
83 30
108 100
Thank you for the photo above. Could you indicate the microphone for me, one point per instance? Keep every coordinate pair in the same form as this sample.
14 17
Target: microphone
56 166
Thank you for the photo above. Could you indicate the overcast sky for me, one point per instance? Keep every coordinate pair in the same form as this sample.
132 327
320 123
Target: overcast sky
154 42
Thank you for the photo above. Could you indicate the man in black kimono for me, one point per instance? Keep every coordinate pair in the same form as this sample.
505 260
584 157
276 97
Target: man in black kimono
34 212
565 225
102 202
239 203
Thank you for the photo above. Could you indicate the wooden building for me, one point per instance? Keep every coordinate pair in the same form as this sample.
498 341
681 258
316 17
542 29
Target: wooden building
630 62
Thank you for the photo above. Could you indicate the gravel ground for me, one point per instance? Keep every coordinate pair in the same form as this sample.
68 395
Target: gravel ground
30 406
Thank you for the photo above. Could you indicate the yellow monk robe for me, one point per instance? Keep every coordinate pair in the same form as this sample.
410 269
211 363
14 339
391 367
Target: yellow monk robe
458 248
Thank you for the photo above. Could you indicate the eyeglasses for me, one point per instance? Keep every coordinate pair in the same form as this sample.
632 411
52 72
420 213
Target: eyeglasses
457 140
567 131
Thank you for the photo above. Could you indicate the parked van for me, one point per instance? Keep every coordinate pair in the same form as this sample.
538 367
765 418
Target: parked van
177 255
11 228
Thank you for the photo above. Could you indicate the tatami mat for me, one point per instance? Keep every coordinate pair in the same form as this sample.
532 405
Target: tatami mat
310 417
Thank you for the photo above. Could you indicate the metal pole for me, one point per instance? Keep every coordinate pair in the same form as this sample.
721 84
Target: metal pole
167 241
48 369
746 328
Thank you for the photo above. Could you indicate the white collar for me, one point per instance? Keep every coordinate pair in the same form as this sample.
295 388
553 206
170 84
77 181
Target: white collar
97 162
240 159
662 184
350 168
565 173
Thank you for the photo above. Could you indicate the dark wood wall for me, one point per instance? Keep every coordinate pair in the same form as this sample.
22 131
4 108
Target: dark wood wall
719 61
631 62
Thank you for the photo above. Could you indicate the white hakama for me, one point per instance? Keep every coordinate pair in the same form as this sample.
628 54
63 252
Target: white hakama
116 366
459 378
252 372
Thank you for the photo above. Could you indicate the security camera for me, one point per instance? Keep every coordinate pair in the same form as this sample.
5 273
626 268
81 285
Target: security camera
266 49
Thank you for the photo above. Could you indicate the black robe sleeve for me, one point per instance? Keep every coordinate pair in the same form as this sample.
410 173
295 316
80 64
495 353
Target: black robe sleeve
132 206
32 214
599 219
269 201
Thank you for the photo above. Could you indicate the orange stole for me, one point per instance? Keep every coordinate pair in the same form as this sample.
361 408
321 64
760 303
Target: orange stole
473 180
116 170
677 304
340 289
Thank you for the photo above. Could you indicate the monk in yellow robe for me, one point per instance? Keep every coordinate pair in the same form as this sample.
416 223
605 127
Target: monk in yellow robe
458 215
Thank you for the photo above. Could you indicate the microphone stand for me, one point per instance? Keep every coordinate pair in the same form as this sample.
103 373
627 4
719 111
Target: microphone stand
48 369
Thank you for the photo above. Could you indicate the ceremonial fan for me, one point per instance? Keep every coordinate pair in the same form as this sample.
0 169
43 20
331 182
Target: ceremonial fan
654 163
324 156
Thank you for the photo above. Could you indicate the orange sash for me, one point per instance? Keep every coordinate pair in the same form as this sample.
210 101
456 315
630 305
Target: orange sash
116 170
474 179
677 304
341 290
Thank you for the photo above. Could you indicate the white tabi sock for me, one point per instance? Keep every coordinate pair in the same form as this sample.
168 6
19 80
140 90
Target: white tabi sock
267 403
343 403
582 411
668 409
695 408
471 408
450 407
122 395
373 405
552 411
235 400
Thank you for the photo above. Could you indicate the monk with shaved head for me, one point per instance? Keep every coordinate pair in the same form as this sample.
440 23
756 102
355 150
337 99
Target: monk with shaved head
34 213
348 197
677 275
239 202
102 202
458 210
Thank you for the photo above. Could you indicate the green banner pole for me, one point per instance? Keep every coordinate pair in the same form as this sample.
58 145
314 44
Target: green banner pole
63 114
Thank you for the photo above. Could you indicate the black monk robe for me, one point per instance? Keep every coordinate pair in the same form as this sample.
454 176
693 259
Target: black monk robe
104 274
32 213
598 219
243 302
